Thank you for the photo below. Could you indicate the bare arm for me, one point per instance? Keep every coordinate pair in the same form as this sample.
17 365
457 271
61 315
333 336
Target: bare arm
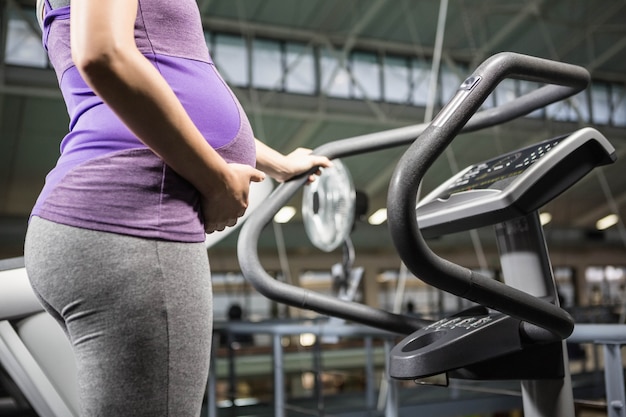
104 51
283 167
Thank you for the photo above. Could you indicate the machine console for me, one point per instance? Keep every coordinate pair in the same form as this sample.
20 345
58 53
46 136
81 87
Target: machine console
512 185
494 173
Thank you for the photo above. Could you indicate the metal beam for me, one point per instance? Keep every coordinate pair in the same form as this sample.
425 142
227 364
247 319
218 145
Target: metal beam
329 117
547 36
306 131
357 28
349 43
342 58
579 36
434 72
316 37
529 10
608 53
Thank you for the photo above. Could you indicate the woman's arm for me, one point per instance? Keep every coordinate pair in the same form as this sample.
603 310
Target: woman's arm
283 167
104 51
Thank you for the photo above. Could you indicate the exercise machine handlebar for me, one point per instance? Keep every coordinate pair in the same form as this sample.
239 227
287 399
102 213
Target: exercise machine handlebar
247 245
402 194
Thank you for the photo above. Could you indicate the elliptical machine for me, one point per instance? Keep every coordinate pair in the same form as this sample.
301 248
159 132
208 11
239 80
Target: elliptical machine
523 340
519 321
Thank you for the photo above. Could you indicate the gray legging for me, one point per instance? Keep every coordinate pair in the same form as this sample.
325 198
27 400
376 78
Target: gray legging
137 312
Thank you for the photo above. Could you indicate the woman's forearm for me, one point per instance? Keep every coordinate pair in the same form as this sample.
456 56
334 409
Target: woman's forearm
270 161
104 51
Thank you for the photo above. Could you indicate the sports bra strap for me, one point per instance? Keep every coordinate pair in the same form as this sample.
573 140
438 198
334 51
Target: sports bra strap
46 5
47 11
55 4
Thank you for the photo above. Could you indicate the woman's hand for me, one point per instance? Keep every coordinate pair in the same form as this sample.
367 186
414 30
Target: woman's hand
302 160
228 199
283 167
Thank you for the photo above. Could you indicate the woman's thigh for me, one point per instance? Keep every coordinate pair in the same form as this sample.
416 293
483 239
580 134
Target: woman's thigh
137 312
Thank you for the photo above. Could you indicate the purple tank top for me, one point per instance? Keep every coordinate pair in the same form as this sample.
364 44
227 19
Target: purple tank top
108 180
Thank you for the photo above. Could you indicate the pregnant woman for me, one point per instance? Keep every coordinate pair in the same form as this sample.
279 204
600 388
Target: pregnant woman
159 152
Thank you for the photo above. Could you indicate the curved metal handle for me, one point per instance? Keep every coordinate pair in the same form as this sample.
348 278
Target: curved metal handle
402 194
301 297
247 244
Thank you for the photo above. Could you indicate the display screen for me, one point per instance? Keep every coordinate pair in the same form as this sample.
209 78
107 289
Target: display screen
492 174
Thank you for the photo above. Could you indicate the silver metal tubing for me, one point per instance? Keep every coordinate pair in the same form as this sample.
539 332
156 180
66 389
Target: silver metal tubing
612 337
413 165
572 80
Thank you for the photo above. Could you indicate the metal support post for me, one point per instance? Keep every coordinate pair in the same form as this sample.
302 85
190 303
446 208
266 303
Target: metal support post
526 266
614 381
279 375
317 371
370 400
391 406
434 75
211 398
